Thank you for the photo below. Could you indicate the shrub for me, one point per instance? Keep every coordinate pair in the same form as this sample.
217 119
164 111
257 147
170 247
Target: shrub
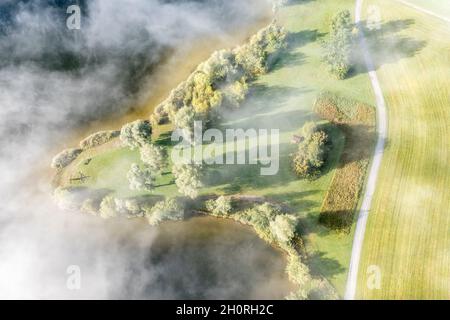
169 209
136 134
222 206
98 138
65 157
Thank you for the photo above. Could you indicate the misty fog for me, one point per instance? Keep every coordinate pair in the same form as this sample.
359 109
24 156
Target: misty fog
52 80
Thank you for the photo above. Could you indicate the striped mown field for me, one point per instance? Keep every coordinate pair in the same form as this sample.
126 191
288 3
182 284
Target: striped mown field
408 232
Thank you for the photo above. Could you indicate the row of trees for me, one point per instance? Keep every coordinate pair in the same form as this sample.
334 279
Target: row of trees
338 47
138 135
222 80
108 206
98 138
311 153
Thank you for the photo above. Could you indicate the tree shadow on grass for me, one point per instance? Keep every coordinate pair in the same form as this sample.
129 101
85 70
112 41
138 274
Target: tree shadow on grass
386 46
295 200
321 265
295 40
232 178
297 2
299 39
262 109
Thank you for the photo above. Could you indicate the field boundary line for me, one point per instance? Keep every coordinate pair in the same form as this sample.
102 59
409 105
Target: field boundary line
350 290
423 10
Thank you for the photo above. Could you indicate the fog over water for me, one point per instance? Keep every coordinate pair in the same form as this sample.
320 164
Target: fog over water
54 80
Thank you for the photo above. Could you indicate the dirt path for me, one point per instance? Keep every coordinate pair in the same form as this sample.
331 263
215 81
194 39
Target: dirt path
350 290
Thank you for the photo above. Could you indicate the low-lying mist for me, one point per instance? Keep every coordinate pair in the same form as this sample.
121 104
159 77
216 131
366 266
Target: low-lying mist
52 80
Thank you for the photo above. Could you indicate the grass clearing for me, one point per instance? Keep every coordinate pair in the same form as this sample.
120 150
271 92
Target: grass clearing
408 231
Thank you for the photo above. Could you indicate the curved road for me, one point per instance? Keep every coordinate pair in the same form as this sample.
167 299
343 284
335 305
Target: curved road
358 240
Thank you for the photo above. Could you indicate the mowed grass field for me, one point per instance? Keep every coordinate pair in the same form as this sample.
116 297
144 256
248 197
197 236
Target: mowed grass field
408 232
282 99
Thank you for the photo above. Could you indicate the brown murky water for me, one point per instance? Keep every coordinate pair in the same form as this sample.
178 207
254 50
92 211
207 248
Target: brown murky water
207 258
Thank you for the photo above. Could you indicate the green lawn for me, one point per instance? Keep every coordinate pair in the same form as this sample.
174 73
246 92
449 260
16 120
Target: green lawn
408 232
282 99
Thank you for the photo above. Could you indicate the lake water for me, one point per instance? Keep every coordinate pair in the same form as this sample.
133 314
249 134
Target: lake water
202 258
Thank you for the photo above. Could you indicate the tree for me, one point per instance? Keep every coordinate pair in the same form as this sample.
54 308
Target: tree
221 68
309 128
153 157
140 179
98 138
128 207
311 153
297 271
283 228
337 49
184 120
108 208
234 93
222 206
187 178
169 209
64 158
136 134
204 96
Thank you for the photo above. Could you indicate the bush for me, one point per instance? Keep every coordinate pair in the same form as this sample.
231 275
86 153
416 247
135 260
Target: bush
136 134
338 48
65 157
98 138
222 206
169 209
311 153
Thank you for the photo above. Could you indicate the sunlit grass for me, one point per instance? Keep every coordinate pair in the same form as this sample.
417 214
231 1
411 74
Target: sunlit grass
408 232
